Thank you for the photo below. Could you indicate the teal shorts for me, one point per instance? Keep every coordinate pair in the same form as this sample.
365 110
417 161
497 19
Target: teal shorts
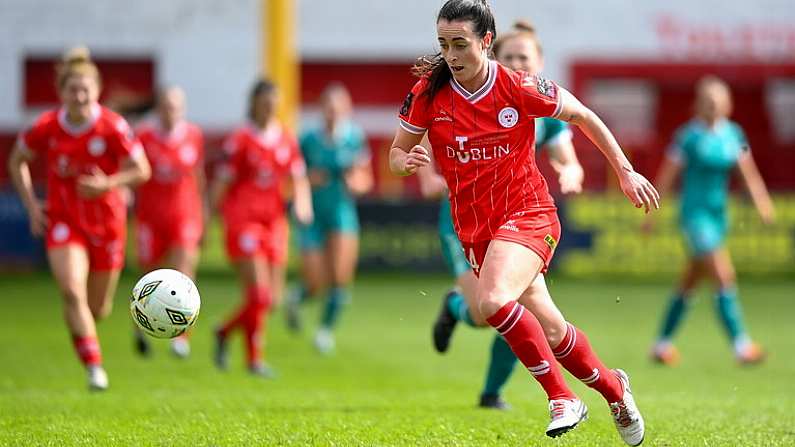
452 251
340 219
704 231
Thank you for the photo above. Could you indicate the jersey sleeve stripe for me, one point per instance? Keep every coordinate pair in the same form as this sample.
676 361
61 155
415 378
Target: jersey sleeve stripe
408 127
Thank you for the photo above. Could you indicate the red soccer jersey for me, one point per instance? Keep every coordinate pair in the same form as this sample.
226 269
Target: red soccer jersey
172 194
101 143
484 146
258 161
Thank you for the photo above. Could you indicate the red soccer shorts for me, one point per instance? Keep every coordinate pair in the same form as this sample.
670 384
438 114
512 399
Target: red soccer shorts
253 239
538 231
104 254
155 239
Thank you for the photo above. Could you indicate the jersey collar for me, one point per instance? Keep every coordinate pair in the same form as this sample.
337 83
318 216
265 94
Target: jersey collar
481 92
73 130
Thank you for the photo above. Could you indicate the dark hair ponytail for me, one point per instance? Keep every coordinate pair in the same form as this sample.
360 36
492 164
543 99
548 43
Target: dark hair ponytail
434 67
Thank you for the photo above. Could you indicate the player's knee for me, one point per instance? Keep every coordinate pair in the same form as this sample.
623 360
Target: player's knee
489 304
102 310
554 334
72 297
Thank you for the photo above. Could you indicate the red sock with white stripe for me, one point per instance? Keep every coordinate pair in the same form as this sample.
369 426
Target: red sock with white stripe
576 355
525 336
87 349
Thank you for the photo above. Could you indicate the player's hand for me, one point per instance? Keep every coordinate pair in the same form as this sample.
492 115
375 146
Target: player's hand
417 157
570 177
303 212
639 191
768 215
93 185
38 219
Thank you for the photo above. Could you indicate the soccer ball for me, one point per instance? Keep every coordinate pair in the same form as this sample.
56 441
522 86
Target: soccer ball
164 303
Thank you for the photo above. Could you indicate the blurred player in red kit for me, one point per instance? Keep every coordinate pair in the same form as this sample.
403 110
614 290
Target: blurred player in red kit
260 157
169 207
91 154
479 119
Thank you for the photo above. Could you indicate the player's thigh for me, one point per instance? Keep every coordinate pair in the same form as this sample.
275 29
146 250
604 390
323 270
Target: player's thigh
101 290
69 265
253 270
507 270
538 301
313 269
343 252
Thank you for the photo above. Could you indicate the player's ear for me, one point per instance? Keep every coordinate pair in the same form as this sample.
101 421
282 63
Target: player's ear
485 43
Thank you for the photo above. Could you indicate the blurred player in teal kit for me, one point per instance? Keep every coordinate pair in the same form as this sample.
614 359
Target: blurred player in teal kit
706 150
338 163
518 49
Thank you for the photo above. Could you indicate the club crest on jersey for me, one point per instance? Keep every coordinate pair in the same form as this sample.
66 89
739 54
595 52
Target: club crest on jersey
545 86
96 146
508 117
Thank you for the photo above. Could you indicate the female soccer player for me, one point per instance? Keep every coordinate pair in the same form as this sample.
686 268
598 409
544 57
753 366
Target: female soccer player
519 50
706 150
338 163
169 210
90 154
260 155
479 119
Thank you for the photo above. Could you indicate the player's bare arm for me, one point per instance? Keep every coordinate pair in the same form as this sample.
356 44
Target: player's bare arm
635 186
302 206
756 187
19 172
406 155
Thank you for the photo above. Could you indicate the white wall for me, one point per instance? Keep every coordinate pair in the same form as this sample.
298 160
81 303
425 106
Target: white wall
212 46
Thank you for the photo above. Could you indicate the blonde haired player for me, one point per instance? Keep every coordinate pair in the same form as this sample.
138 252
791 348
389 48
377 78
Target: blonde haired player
90 154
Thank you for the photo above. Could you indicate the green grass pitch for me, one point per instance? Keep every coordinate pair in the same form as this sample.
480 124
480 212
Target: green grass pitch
385 385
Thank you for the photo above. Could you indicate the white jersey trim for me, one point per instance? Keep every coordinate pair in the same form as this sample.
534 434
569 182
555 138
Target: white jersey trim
482 91
410 128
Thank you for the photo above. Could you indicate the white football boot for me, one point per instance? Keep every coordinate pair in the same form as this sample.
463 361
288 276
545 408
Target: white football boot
565 414
324 341
180 347
626 415
97 378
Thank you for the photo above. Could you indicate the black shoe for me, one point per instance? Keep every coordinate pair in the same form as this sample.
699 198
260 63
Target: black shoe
141 344
493 401
444 325
220 355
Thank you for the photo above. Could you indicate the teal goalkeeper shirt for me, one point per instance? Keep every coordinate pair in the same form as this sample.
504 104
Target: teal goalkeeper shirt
708 156
333 156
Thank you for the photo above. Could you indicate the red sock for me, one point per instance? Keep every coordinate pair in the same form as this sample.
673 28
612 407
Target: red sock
526 338
576 355
88 350
259 303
